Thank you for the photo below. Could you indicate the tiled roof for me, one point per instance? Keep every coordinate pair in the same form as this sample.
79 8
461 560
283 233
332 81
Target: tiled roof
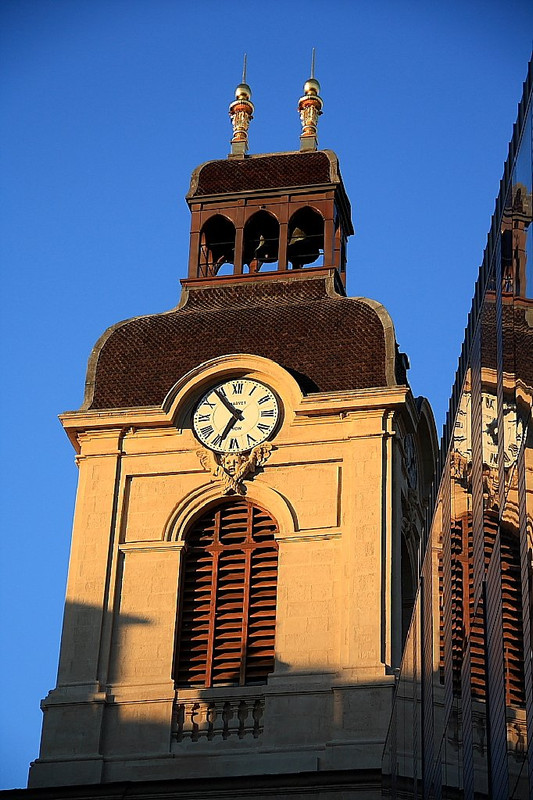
262 172
328 342
517 336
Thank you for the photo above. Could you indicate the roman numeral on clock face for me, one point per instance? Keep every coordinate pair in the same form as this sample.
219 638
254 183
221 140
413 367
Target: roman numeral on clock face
207 431
237 387
267 412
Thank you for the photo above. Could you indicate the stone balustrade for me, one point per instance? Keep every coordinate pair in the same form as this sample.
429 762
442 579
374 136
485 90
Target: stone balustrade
201 719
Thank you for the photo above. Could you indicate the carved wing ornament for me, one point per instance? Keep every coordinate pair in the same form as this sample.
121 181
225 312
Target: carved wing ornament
232 468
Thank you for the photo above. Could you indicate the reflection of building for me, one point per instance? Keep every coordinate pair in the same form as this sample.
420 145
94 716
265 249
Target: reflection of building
463 719
254 474
250 562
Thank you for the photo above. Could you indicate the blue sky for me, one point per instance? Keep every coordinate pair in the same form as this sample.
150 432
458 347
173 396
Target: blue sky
107 106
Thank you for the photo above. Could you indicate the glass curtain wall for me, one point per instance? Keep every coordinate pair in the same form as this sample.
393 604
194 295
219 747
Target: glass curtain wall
463 717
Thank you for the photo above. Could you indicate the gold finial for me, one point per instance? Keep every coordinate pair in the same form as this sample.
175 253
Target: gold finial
310 108
241 113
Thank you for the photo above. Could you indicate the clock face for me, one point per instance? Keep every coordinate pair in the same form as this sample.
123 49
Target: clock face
236 415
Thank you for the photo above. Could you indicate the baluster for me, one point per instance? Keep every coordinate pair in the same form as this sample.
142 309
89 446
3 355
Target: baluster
242 713
211 714
187 724
227 715
178 721
257 714
202 720
218 720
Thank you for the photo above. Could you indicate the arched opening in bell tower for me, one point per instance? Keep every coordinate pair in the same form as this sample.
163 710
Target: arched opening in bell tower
227 610
261 241
217 246
306 238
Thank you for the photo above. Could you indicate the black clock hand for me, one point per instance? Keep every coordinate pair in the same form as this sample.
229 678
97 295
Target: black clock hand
234 411
229 426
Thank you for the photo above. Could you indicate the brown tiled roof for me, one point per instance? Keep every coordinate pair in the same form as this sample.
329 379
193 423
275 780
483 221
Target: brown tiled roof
489 358
522 339
328 342
517 336
262 172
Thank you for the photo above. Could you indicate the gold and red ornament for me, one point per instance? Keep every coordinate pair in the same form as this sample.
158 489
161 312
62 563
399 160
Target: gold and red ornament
241 114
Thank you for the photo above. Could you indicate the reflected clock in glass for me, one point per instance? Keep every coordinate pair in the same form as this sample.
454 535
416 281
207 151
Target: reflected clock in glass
461 436
513 433
236 415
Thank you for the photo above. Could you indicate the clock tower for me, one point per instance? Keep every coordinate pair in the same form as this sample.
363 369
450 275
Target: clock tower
253 478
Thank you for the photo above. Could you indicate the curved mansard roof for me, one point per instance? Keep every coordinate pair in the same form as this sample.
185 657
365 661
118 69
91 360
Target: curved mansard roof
329 342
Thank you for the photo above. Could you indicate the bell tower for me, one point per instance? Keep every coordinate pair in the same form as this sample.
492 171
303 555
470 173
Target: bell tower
253 480
268 213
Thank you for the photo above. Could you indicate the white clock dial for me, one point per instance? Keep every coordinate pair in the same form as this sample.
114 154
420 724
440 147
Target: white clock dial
236 415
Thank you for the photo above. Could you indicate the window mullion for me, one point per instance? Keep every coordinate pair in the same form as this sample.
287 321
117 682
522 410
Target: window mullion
246 594
214 601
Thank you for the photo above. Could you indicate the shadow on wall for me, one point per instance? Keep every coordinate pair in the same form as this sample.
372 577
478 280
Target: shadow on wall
95 725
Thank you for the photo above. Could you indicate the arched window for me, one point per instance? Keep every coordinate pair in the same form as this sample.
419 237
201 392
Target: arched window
228 598
217 245
306 237
261 240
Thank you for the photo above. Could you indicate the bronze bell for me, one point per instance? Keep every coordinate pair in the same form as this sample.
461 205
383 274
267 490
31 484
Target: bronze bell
266 250
301 248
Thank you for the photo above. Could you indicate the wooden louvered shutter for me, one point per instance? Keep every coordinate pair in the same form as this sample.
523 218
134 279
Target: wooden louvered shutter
513 639
228 598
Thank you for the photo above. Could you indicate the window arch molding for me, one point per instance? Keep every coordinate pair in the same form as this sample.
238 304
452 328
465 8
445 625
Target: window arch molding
201 499
314 208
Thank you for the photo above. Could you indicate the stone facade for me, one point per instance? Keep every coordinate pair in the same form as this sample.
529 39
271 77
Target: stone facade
344 477
334 483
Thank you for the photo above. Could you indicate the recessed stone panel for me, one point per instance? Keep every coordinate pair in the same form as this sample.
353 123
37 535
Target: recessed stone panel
314 492
148 503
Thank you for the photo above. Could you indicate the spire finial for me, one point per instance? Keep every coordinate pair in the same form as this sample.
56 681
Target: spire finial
241 113
310 108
